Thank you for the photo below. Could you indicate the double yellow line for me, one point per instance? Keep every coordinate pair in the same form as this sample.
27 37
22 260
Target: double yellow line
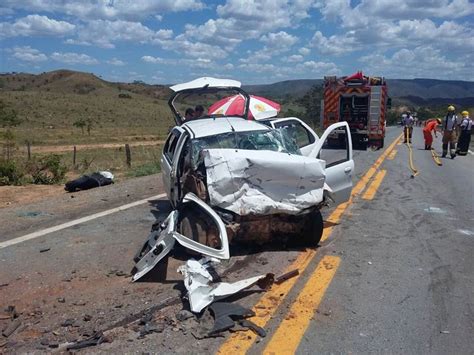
292 328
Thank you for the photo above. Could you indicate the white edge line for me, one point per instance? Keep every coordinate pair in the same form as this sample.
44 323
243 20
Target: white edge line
76 222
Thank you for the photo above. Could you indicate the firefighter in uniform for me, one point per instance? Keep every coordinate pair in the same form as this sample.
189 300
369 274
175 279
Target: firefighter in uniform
430 126
407 122
449 132
465 133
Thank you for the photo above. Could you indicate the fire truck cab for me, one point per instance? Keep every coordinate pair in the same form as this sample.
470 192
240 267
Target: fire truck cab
362 102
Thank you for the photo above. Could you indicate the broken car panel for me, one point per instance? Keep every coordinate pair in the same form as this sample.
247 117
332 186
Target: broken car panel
230 179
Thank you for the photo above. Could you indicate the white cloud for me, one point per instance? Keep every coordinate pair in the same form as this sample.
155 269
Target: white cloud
422 61
116 62
295 58
106 9
368 12
73 58
35 25
104 33
335 44
153 60
280 41
28 54
304 51
246 20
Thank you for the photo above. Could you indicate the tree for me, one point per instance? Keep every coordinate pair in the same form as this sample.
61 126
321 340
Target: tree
8 119
8 116
80 123
311 101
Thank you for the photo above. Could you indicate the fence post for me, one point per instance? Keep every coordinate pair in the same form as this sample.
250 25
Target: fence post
28 147
74 158
128 154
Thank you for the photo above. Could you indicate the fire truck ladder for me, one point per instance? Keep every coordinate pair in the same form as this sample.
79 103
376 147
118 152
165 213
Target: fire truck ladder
374 115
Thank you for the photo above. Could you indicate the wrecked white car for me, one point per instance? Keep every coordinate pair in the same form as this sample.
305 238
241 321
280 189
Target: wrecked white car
231 179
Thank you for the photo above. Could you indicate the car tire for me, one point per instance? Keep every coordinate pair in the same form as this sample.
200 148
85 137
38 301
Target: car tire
313 229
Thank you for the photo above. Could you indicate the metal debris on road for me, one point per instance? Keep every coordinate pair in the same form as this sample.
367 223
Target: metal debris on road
96 339
225 314
201 288
11 327
286 276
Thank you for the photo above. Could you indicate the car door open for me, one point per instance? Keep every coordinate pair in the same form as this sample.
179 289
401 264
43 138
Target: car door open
339 162
304 137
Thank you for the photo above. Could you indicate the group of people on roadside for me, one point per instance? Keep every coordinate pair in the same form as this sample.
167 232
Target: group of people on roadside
192 114
456 131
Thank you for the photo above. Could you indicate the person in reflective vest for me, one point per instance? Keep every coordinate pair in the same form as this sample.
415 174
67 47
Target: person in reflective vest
407 122
465 133
450 127
430 126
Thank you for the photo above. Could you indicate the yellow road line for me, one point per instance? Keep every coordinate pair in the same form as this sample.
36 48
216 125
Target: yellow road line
374 186
240 342
392 154
288 335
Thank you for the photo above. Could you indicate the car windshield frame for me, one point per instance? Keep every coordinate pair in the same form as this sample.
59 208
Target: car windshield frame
244 140
179 118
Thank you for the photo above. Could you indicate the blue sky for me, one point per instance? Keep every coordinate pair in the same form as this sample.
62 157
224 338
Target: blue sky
171 41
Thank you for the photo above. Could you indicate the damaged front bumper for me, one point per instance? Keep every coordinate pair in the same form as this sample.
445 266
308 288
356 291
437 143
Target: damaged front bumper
162 241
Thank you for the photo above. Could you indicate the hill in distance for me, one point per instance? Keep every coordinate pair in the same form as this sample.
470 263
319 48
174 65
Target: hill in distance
73 82
419 88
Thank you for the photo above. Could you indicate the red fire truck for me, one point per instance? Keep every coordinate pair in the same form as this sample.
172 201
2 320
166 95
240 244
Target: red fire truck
360 100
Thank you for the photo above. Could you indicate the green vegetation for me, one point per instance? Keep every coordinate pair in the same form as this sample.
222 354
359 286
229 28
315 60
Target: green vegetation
46 170
145 169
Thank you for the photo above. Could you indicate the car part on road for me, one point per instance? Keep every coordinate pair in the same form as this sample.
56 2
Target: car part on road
286 276
201 288
225 314
11 327
160 242
96 339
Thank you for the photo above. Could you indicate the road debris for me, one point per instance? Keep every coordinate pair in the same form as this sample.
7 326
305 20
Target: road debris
444 332
202 290
225 314
96 339
43 250
61 300
11 327
183 315
286 276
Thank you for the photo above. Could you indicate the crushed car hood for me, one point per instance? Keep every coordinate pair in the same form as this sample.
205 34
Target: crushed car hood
249 182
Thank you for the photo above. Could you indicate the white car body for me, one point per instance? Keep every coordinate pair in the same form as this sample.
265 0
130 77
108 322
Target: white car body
242 182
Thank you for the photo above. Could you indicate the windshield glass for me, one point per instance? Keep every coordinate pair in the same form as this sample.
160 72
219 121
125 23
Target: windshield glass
215 102
276 140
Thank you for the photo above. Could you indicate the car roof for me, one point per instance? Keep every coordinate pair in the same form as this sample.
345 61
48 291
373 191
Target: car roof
211 126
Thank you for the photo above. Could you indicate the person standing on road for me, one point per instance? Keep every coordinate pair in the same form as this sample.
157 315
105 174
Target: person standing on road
407 122
430 126
449 132
465 135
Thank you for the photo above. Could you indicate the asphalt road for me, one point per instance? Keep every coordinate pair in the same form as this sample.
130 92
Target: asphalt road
393 273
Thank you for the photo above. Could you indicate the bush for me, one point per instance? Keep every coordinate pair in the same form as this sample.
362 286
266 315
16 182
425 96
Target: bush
124 96
10 173
47 170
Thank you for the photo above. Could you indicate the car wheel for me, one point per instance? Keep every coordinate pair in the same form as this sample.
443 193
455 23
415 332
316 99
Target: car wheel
195 225
313 229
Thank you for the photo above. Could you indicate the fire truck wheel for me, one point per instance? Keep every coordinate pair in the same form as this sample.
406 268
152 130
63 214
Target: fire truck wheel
313 229
382 142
